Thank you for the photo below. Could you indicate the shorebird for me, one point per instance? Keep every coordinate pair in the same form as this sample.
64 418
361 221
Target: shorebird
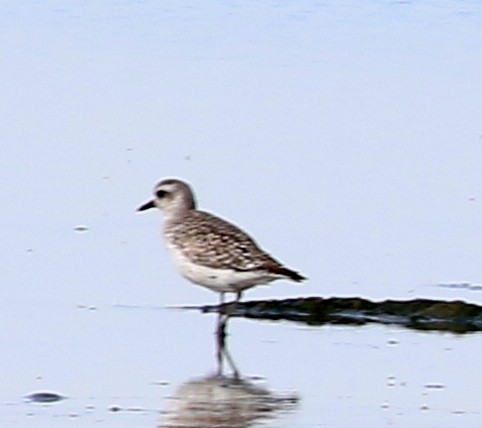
208 250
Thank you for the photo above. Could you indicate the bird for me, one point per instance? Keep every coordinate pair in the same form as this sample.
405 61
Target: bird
208 250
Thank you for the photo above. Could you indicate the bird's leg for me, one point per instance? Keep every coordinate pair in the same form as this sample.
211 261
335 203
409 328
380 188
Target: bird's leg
222 347
222 352
221 308
220 343
226 311
239 294
230 361
231 306
220 334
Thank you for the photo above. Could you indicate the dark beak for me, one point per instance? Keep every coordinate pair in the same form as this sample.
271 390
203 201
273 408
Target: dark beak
147 206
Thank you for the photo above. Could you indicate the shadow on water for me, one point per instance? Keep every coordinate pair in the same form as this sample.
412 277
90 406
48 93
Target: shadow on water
224 399
418 314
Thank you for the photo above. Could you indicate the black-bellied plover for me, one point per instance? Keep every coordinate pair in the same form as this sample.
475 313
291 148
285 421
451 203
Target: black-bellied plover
208 250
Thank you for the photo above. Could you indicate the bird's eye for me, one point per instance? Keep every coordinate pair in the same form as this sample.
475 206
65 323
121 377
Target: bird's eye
161 193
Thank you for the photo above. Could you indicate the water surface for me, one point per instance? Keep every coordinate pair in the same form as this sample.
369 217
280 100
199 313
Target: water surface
346 137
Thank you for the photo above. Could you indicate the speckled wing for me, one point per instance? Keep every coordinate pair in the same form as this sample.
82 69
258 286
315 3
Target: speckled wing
213 242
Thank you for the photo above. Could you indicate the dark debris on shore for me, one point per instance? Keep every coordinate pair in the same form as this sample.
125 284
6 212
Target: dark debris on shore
420 314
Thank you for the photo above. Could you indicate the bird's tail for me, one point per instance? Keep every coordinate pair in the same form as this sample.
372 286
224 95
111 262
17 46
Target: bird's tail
281 270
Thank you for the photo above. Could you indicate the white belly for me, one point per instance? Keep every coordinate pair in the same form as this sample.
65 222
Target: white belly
219 280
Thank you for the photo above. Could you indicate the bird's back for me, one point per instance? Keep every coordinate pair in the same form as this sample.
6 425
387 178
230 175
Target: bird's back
210 241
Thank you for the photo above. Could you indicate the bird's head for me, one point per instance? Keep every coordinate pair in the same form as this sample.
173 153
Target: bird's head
172 196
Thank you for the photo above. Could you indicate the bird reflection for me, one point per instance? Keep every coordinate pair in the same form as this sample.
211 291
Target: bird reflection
224 400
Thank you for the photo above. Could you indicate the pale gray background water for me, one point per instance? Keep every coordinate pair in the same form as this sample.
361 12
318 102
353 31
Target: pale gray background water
346 136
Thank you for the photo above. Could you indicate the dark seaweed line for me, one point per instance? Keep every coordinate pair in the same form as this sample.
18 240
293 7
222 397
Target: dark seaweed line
419 314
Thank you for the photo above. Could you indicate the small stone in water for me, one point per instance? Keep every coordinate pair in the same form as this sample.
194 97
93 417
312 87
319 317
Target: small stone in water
385 405
434 386
44 397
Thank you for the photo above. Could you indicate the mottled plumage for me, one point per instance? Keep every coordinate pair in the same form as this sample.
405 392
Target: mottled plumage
208 250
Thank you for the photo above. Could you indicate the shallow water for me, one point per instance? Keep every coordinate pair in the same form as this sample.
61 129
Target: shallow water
346 137
329 376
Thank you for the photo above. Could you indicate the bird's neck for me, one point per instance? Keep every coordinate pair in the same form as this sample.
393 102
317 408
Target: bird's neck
176 215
